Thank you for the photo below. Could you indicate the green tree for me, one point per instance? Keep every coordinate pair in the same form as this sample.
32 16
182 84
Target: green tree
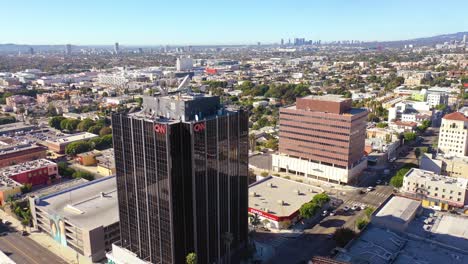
369 211
105 131
85 124
397 179
382 125
321 199
64 170
254 220
417 153
272 143
361 223
83 174
343 235
409 136
191 258
78 147
308 210
55 122
95 129
27 187
103 142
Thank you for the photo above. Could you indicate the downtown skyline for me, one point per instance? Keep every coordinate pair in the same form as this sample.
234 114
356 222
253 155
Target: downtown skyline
214 23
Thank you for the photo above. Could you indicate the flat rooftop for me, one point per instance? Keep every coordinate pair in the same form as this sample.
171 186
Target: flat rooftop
380 246
7 128
328 98
424 175
65 184
24 167
73 138
400 209
451 225
87 206
279 196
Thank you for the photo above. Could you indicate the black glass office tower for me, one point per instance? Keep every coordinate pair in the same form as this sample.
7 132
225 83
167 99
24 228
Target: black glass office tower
182 167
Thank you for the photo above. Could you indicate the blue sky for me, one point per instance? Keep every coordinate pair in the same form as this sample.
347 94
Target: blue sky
184 22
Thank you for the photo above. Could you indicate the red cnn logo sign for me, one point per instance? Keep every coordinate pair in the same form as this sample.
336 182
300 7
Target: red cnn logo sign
160 129
199 127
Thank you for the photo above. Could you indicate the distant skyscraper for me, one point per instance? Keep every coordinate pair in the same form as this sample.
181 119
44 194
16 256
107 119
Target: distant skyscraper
68 49
184 64
259 43
31 51
464 38
140 50
116 48
182 168
289 42
282 42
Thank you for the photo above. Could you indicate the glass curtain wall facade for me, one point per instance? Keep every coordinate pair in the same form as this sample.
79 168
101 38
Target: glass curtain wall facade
182 186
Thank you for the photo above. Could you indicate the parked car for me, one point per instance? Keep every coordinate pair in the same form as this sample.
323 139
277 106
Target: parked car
370 188
332 213
355 208
378 182
363 206
346 208
325 213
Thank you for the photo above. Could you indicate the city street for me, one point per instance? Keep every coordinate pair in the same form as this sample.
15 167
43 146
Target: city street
22 249
300 247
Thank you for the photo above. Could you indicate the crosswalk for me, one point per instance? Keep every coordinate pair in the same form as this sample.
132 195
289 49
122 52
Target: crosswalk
379 194
373 199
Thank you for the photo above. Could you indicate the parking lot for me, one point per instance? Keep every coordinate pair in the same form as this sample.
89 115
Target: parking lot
317 239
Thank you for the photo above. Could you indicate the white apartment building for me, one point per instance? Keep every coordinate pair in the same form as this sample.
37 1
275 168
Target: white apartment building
437 98
410 111
184 64
453 135
436 191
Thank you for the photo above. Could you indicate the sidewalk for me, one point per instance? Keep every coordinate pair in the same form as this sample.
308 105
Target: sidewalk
326 186
47 242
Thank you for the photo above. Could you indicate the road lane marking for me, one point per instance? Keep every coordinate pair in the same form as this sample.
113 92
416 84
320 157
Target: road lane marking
21 252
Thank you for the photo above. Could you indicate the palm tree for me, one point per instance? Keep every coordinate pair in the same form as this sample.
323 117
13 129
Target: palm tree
254 220
252 142
191 258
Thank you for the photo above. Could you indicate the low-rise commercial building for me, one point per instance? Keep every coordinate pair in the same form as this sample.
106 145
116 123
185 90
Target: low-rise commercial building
10 129
277 201
18 153
446 165
8 187
436 191
397 213
84 218
34 172
58 145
